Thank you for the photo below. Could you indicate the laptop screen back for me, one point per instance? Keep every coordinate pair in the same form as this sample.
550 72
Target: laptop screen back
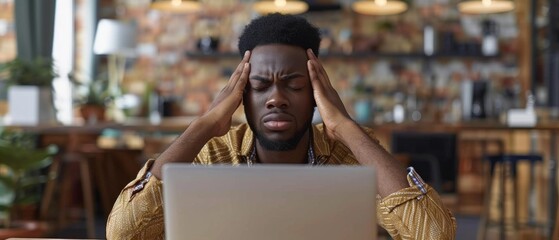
269 202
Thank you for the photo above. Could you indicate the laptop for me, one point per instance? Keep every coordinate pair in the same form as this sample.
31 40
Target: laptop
269 202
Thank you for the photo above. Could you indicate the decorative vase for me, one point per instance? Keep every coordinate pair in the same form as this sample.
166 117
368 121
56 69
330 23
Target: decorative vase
363 109
30 105
92 114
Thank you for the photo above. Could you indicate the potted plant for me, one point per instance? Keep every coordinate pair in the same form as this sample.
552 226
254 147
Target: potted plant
20 178
30 90
91 98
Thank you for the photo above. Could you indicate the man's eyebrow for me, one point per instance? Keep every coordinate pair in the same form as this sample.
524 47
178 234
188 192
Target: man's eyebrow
283 78
291 76
260 78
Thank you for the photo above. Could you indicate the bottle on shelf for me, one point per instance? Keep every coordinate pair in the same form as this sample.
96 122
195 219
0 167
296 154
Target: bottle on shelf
479 92
399 112
490 42
466 91
154 108
429 42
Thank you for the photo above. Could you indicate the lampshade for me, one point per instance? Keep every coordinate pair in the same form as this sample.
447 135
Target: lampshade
485 6
379 7
114 37
281 6
177 6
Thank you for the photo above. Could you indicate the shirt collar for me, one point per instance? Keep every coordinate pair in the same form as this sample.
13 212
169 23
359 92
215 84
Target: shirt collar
247 143
320 143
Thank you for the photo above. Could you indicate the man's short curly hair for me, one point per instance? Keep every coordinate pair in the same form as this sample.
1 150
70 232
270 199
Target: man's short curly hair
281 29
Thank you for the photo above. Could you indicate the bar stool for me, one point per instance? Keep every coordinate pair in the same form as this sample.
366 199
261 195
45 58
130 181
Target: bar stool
62 174
509 166
470 191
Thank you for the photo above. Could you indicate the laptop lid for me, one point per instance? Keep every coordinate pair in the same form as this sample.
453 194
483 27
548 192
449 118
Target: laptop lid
269 202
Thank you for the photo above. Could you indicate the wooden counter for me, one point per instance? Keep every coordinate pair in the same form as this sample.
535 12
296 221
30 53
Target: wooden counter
515 139
180 124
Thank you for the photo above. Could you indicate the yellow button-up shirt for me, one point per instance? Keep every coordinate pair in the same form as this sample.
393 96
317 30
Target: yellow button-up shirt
407 214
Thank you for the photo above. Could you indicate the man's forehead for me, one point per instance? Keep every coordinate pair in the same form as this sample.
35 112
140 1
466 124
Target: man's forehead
272 54
279 47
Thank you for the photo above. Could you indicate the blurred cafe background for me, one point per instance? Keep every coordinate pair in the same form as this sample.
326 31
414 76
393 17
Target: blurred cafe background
466 91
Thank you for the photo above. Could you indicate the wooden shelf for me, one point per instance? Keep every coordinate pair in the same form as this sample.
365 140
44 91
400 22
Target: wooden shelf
361 55
213 55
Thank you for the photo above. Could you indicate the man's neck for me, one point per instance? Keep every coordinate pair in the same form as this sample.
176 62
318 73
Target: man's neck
296 156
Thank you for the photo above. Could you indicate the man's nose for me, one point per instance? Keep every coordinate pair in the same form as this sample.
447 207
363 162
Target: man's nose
277 99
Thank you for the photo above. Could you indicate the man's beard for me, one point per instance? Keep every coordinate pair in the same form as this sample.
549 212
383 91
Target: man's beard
277 145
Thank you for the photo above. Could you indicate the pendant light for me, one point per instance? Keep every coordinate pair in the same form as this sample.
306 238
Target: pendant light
177 6
280 6
485 6
379 7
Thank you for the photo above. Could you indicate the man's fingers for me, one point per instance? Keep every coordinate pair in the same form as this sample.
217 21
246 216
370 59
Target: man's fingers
315 81
241 73
241 83
322 87
239 70
312 66
320 71
246 56
234 80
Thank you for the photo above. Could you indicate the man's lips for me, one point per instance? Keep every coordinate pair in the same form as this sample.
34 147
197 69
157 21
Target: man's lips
277 121
277 125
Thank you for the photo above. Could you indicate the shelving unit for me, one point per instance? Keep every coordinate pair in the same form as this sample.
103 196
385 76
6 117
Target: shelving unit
360 55
552 58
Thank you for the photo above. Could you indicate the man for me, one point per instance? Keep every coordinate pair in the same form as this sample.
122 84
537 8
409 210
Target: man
280 81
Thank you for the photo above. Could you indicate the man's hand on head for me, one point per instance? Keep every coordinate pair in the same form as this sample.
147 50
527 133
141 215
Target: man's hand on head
328 102
215 122
228 100
339 126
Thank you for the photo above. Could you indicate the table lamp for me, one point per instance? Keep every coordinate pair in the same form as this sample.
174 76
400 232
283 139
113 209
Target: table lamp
117 40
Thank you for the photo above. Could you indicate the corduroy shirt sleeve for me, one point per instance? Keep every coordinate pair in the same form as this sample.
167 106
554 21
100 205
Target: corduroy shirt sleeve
138 210
412 214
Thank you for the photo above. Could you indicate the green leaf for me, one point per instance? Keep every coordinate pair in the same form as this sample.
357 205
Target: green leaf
6 182
18 138
7 197
32 181
20 164
5 208
38 72
31 199
21 159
